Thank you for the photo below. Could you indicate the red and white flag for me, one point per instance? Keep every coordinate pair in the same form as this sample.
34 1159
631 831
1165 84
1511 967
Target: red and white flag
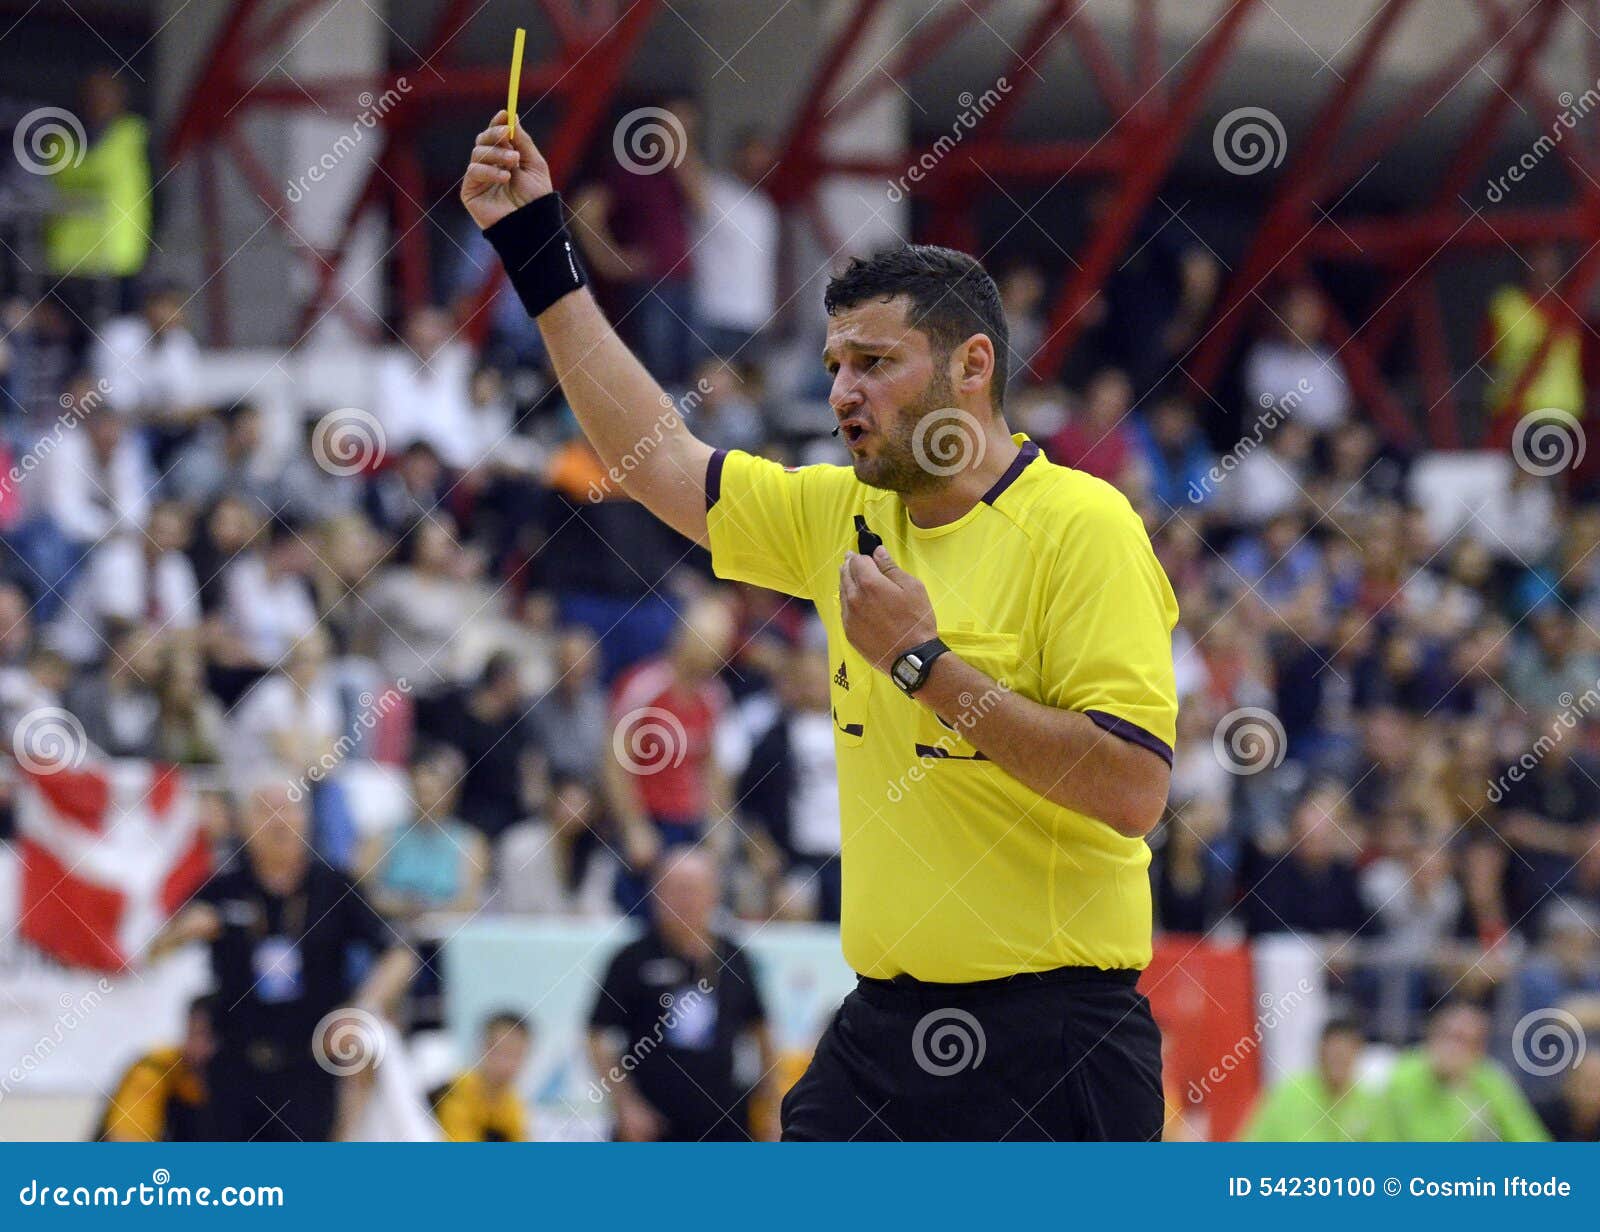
109 851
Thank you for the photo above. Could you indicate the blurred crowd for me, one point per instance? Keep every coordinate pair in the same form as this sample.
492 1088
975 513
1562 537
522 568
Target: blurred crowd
502 687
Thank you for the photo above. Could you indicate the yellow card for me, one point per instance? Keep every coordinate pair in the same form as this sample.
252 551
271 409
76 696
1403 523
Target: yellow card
516 78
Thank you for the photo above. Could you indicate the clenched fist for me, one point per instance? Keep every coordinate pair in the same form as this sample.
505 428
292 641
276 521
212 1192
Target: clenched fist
886 611
505 173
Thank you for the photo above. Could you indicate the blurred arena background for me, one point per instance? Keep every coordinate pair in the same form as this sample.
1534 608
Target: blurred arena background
289 491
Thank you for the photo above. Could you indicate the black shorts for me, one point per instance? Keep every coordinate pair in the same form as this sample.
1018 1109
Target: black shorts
1071 1055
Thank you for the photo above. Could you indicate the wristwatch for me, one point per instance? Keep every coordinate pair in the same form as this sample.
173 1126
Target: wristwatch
910 670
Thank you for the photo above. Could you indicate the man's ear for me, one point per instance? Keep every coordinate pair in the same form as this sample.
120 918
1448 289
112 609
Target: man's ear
974 364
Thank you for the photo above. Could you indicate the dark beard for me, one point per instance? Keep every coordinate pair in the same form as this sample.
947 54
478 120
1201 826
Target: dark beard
895 467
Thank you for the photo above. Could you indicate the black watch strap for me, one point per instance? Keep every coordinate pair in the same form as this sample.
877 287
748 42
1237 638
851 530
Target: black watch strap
910 670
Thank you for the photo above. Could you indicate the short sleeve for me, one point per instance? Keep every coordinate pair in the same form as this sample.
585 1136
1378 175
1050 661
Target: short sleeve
773 526
1107 628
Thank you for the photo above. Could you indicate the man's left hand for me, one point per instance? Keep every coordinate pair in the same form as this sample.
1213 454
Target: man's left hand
886 610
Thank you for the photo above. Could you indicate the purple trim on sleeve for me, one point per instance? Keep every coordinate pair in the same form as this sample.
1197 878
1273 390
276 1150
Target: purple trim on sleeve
1132 733
714 477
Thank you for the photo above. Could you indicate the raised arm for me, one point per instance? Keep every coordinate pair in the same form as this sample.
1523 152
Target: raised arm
629 419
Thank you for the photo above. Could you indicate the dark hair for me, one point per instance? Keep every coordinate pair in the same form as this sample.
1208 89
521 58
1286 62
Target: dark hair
207 1005
1341 1024
499 666
510 1020
233 412
952 297
432 752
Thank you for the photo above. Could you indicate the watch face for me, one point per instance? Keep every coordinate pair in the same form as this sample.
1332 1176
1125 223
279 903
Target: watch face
907 670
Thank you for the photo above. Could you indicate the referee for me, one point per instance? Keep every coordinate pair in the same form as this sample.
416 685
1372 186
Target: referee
999 641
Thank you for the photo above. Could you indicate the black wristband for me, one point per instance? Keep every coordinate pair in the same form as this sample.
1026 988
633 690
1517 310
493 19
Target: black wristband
537 250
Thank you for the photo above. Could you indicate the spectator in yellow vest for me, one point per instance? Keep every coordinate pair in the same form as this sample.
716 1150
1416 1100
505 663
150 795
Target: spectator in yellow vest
100 231
1520 317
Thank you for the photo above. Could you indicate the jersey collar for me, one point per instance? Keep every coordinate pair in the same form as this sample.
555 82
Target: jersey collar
1025 455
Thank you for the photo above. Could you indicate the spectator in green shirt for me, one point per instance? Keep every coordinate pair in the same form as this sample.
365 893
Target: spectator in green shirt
1324 1104
1448 1090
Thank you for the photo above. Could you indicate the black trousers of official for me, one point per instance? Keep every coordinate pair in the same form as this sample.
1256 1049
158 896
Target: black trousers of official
1071 1055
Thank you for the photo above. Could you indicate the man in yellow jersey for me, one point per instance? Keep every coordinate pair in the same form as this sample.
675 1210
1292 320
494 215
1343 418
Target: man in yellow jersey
999 639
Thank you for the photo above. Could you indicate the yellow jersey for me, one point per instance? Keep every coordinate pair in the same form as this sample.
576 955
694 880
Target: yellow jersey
468 1113
952 870
157 1099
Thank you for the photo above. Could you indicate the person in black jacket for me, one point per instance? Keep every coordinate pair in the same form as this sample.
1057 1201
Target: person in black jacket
791 788
1306 882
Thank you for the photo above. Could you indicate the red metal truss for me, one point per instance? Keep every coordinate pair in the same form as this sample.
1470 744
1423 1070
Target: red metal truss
593 46
1154 108
1408 248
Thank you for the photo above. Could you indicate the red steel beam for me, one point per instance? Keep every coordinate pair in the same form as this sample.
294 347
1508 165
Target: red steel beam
472 84
1285 216
447 25
1360 366
411 240
915 51
794 174
1415 237
1108 77
1433 362
1477 143
588 96
1401 116
222 64
285 20
1147 47
216 265
566 22
1143 178
1051 20
1015 160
